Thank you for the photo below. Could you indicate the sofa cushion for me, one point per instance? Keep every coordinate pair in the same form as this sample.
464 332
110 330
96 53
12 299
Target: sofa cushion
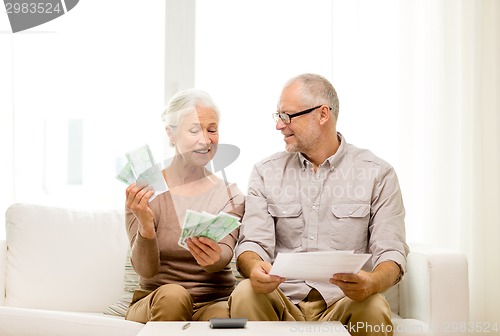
392 297
64 259
3 257
131 284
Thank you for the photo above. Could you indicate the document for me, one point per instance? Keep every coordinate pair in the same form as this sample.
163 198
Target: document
317 266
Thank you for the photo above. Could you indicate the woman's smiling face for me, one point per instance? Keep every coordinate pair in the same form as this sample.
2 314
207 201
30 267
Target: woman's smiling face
197 136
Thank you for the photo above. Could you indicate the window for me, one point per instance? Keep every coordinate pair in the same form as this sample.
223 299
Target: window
77 93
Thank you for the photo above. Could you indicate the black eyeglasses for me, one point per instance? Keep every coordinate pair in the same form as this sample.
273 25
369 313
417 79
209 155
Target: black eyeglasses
287 118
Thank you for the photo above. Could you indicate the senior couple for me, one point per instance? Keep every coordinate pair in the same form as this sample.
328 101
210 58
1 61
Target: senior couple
197 284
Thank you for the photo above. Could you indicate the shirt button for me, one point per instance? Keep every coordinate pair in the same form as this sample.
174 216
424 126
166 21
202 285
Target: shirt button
314 207
312 237
350 212
284 212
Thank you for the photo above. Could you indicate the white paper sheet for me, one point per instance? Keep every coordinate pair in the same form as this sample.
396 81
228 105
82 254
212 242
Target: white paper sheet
317 266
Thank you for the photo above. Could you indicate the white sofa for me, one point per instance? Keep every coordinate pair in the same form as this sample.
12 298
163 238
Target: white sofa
60 269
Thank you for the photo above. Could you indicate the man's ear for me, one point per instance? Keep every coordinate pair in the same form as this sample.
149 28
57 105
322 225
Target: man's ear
324 115
170 134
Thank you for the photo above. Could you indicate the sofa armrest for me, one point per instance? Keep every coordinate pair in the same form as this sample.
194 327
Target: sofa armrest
3 265
435 288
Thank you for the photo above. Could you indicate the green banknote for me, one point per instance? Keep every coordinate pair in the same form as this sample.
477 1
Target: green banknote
126 175
215 227
140 168
220 226
192 220
140 159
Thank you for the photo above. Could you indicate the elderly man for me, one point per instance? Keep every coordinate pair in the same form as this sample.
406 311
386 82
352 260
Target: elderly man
321 194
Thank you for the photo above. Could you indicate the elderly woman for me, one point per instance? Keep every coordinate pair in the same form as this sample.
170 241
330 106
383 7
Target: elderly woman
178 284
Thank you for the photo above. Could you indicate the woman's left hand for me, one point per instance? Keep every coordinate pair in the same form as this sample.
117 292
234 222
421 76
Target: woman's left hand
206 251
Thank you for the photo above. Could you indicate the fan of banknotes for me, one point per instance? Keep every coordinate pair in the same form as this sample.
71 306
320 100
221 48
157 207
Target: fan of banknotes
141 168
204 224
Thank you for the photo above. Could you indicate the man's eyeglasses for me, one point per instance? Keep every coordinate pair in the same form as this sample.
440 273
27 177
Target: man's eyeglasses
287 118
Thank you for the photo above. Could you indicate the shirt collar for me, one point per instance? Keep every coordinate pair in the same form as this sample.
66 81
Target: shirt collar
333 160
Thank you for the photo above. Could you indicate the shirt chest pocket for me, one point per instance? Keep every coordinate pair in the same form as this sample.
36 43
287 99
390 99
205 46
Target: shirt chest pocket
289 224
349 227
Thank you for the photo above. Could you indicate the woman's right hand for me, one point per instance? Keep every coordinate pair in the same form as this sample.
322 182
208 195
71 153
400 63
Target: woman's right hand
137 201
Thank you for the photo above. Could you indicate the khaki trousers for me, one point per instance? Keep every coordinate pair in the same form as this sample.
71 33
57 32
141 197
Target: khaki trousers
370 317
173 303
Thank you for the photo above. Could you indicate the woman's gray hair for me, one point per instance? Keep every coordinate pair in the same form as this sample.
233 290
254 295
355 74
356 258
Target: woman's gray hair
183 103
316 90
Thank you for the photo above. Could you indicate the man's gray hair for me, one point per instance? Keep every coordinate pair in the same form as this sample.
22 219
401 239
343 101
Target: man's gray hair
316 90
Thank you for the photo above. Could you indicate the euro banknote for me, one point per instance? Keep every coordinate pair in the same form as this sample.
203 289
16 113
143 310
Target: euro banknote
204 224
141 169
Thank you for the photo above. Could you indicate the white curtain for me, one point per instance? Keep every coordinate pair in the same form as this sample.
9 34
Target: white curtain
428 77
450 118
6 126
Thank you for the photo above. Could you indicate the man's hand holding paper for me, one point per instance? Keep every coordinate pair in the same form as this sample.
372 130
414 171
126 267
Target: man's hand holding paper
317 266
363 284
